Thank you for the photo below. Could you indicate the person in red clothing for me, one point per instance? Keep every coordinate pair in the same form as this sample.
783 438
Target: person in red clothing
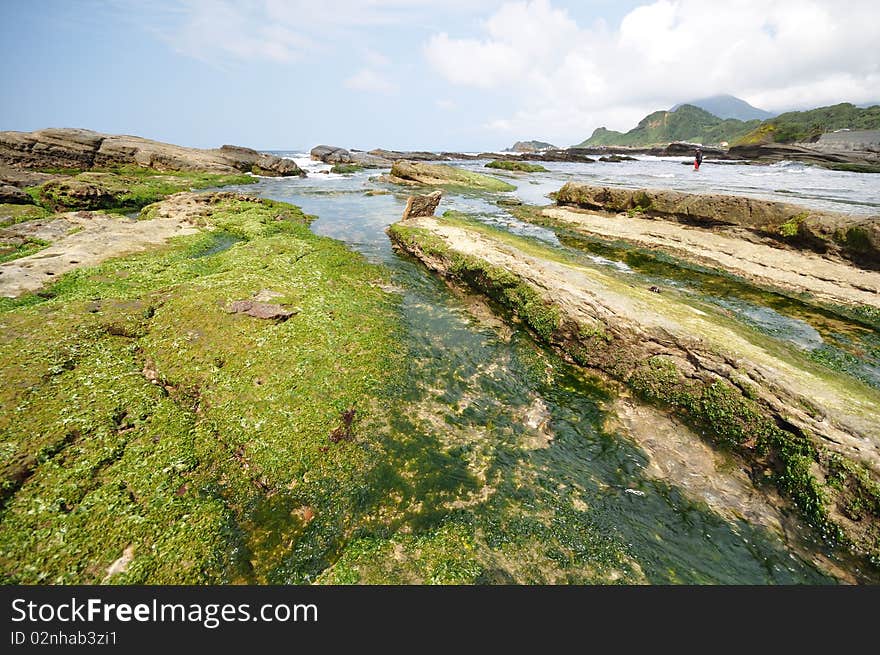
698 158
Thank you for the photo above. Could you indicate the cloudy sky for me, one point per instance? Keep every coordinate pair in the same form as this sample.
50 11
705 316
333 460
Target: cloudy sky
438 74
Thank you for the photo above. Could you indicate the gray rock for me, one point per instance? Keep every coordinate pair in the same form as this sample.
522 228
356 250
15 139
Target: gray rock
331 155
336 155
14 196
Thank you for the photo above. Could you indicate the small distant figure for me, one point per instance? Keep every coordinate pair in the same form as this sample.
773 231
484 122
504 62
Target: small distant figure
698 159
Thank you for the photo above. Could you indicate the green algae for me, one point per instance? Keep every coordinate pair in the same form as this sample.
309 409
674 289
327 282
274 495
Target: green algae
139 413
125 188
346 169
849 332
497 283
447 176
792 226
517 166
29 246
12 214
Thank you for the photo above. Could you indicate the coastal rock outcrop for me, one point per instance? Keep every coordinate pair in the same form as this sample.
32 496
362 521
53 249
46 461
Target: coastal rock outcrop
532 146
407 172
71 193
835 154
856 238
60 148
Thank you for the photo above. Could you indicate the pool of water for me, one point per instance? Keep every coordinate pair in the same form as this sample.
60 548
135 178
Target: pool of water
559 499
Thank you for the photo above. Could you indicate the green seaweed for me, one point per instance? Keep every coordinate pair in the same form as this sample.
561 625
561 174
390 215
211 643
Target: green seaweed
518 166
346 169
144 418
125 188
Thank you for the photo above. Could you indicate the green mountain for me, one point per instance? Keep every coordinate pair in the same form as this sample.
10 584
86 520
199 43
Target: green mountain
686 123
804 126
728 106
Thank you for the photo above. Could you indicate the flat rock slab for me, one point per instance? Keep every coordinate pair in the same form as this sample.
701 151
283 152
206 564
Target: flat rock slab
81 239
800 271
264 310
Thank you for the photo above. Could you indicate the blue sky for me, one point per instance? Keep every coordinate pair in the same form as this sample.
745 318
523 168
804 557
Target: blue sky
452 74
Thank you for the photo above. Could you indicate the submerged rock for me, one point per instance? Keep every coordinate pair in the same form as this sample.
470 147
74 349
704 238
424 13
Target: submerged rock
84 150
616 158
422 205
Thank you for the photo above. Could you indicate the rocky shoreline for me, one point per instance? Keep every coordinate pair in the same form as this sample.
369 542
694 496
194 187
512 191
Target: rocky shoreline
839 156
68 148
160 346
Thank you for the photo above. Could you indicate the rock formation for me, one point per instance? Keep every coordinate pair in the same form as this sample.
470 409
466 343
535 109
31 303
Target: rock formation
422 205
65 148
856 238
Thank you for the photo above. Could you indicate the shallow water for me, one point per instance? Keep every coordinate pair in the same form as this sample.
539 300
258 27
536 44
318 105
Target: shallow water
559 499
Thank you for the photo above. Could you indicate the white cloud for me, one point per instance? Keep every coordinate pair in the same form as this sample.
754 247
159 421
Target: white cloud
225 31
369 80
563 79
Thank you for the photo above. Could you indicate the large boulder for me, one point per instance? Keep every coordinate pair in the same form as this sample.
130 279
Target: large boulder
84 150
331 155
336 155
417 205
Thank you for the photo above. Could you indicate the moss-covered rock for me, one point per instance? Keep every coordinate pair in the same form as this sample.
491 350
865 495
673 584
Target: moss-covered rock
518 166
125 189
150 436
856 238
346 169
12 214
407 172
